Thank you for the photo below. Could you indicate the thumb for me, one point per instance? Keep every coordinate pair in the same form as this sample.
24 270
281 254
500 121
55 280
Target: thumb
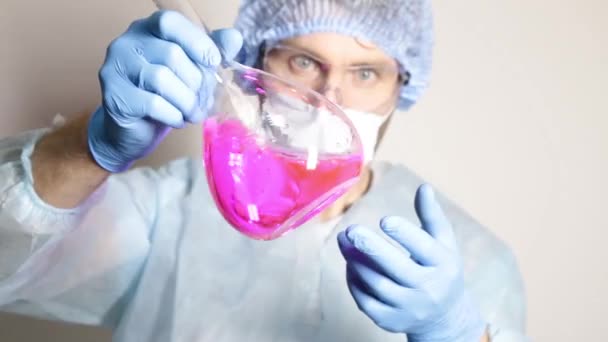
229 41
432 217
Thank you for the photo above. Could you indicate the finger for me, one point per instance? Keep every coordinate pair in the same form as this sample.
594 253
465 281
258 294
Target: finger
206 93
229 41
161 81
432 216
418 242
383 289
176 28
126 103
377 311
173 57
359 244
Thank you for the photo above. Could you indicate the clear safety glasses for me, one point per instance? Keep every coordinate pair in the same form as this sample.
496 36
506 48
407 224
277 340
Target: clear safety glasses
367 87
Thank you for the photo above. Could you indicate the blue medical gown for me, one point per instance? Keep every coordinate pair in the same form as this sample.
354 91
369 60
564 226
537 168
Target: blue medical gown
149 256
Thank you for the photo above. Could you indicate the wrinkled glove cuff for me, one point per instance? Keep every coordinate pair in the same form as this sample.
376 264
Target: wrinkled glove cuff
462 324
103 154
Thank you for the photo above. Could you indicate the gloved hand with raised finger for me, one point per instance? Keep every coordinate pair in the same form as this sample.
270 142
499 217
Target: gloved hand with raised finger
156 76
418 287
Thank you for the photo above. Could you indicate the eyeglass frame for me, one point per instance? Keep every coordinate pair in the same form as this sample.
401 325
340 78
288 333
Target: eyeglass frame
403 76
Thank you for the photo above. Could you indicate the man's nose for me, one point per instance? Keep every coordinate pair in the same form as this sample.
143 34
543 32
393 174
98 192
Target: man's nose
333 94
330 87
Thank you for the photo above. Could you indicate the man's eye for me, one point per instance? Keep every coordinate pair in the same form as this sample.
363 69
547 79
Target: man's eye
367 74
303 62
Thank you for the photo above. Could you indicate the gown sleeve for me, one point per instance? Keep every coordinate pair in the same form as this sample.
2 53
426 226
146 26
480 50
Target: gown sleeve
77 265
507 318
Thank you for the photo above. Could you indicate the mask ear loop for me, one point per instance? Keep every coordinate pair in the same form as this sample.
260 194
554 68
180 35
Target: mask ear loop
393 108
404 81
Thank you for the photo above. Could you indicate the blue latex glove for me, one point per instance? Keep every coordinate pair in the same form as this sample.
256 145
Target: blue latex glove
415 286
156 76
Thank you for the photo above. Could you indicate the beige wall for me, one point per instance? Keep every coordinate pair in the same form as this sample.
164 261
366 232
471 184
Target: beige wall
514 128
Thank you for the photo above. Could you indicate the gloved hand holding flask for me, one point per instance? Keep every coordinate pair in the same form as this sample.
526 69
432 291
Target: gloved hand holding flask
154 78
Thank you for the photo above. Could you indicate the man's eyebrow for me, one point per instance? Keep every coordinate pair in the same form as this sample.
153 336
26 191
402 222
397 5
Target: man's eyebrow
306 50
362 62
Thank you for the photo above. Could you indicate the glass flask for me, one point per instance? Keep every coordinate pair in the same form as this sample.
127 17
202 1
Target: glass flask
275 153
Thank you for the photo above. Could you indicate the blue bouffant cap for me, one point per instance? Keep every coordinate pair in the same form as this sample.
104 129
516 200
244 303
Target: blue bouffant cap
401 28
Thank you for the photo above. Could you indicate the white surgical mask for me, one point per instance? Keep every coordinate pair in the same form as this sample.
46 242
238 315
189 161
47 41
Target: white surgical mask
330 132
295 123
368 127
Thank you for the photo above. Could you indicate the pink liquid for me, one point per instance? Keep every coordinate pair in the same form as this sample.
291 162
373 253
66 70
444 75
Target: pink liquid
264 192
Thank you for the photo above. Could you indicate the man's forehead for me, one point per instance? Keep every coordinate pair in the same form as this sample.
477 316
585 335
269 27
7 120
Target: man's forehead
339 48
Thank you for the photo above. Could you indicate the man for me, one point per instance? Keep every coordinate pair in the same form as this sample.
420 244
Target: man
146 252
